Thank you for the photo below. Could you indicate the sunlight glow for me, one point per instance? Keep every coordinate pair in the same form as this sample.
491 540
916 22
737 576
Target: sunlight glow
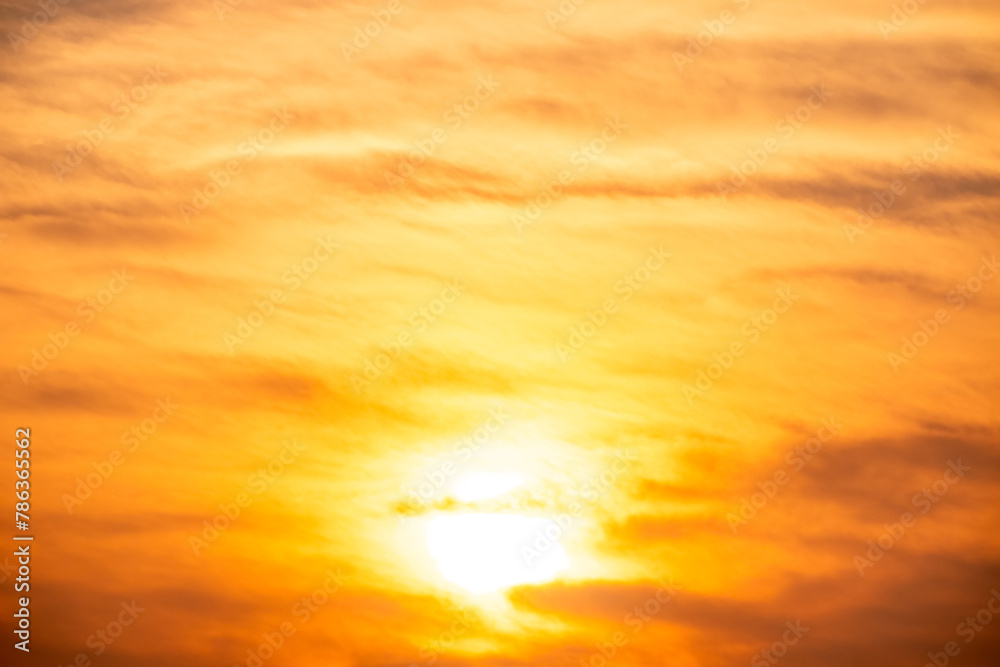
475 486
483 553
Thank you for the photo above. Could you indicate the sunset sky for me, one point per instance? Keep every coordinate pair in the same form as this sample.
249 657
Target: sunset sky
503 334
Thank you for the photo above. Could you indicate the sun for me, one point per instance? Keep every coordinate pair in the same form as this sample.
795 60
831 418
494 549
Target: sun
484 553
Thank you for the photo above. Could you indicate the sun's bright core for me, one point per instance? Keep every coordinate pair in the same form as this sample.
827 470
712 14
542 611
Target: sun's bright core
484 553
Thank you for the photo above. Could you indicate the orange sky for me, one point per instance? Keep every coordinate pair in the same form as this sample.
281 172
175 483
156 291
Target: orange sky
659 262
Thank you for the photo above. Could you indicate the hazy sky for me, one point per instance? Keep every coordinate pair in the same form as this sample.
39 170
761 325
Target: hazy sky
710 284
